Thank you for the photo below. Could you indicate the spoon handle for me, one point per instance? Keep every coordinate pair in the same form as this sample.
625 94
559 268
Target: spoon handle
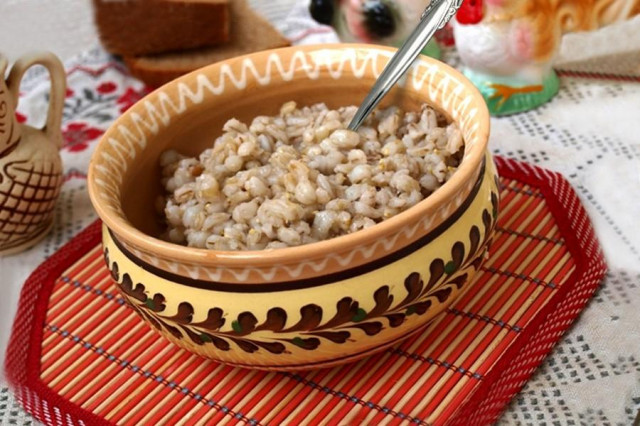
435 16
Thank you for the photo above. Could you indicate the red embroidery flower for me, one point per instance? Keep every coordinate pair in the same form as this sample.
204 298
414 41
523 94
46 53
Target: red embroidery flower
106 87
130 97
21 118
78 135
68 93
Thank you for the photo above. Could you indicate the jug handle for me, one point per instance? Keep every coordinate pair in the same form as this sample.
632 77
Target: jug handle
52 127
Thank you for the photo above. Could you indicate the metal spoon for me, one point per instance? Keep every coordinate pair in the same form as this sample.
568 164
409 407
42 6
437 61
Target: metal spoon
435 17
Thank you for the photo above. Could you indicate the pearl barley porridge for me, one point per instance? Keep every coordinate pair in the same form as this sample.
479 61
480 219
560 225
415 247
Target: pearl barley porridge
301 177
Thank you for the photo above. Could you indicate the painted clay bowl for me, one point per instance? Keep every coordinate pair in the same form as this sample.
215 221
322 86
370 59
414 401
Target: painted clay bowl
311 306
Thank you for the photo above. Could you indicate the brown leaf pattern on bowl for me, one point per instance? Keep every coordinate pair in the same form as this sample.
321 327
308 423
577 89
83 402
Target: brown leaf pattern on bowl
310 331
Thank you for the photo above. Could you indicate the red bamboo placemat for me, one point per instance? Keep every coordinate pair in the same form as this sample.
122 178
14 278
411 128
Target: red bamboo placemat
79 356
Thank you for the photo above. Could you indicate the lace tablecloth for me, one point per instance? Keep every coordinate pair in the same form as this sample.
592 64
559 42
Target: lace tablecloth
588 132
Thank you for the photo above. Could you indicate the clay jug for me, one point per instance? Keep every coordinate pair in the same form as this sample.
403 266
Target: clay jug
30 164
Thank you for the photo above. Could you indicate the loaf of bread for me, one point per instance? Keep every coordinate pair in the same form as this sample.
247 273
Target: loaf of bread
145 27
249 33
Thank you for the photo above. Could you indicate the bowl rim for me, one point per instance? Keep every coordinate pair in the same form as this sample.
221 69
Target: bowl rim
126 232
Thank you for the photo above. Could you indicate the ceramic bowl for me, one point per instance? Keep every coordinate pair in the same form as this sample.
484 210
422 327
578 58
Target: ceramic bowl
311 306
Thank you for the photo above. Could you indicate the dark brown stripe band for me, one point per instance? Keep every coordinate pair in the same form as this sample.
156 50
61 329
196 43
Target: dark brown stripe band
315 281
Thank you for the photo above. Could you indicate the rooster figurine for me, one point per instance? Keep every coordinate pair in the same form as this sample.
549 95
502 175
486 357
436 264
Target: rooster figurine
387 22
508 46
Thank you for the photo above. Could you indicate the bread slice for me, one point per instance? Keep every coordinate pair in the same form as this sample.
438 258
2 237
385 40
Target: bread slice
145 27
249 33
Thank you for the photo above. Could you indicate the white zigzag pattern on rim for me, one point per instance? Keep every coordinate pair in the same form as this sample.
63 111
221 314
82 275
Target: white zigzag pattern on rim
158 105
446 90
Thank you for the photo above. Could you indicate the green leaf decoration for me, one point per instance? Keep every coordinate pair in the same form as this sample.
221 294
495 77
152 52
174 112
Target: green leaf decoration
450 268
236 326
360 315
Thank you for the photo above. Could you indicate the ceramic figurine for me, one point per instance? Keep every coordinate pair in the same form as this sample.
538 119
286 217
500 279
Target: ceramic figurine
508 46
386 22
30 165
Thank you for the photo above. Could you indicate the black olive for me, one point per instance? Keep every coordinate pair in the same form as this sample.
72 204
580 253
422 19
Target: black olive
379 18
322 11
